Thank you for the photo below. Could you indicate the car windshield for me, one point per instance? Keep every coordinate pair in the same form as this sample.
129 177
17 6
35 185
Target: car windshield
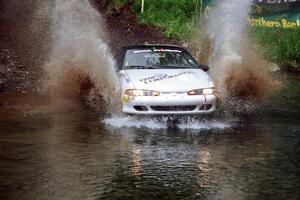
166 58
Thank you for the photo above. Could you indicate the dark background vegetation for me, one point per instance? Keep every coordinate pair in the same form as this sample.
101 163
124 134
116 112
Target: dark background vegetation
181 20
25 41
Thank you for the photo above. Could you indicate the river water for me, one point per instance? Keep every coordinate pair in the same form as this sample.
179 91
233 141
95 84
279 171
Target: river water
63 150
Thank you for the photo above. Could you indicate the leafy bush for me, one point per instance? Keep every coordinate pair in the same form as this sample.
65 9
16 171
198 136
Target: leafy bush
178 19
111 6
280 45
119 3
116 3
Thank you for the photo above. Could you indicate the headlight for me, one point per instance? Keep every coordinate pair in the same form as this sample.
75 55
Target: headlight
132 92
208 91
205 91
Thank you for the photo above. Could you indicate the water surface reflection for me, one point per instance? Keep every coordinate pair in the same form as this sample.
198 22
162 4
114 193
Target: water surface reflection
67 152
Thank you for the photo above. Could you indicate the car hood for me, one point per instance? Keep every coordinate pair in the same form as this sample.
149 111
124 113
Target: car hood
169 80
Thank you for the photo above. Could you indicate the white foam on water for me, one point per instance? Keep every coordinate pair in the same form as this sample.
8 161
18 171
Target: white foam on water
186 123
133 122
205 125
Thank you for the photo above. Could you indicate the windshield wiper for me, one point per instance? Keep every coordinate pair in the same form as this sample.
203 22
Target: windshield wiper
140 67
152 67
174 67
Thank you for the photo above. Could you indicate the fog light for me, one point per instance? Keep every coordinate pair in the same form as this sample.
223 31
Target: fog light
141 108
205 107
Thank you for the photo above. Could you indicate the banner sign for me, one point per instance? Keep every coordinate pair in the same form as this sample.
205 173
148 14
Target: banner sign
276 13
270 13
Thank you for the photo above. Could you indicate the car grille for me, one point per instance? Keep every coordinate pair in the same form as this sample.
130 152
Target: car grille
173 108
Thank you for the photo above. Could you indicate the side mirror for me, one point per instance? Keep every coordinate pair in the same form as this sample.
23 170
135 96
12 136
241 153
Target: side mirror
204 67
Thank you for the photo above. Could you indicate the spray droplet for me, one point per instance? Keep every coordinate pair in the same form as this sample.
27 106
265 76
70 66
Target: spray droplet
239 72
80 61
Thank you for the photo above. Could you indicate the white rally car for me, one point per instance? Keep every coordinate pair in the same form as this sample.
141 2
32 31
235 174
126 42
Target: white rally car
164 80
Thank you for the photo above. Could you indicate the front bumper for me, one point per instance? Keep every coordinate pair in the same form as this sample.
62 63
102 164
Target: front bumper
170 104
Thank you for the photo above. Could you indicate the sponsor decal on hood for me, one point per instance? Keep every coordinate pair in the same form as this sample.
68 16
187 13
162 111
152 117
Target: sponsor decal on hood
159 77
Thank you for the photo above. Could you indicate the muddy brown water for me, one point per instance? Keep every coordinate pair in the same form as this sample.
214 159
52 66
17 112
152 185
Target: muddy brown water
62 150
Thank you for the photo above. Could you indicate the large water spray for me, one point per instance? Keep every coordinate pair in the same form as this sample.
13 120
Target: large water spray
238 70
80 59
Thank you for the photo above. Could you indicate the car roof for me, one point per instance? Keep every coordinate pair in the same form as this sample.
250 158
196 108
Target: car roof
141 46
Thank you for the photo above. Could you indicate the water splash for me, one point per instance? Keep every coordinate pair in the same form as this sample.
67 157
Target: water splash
236 67
183 123
80 61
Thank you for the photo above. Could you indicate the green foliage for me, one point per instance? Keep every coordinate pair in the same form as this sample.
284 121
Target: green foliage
280 45
118 3
112 6
178 19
